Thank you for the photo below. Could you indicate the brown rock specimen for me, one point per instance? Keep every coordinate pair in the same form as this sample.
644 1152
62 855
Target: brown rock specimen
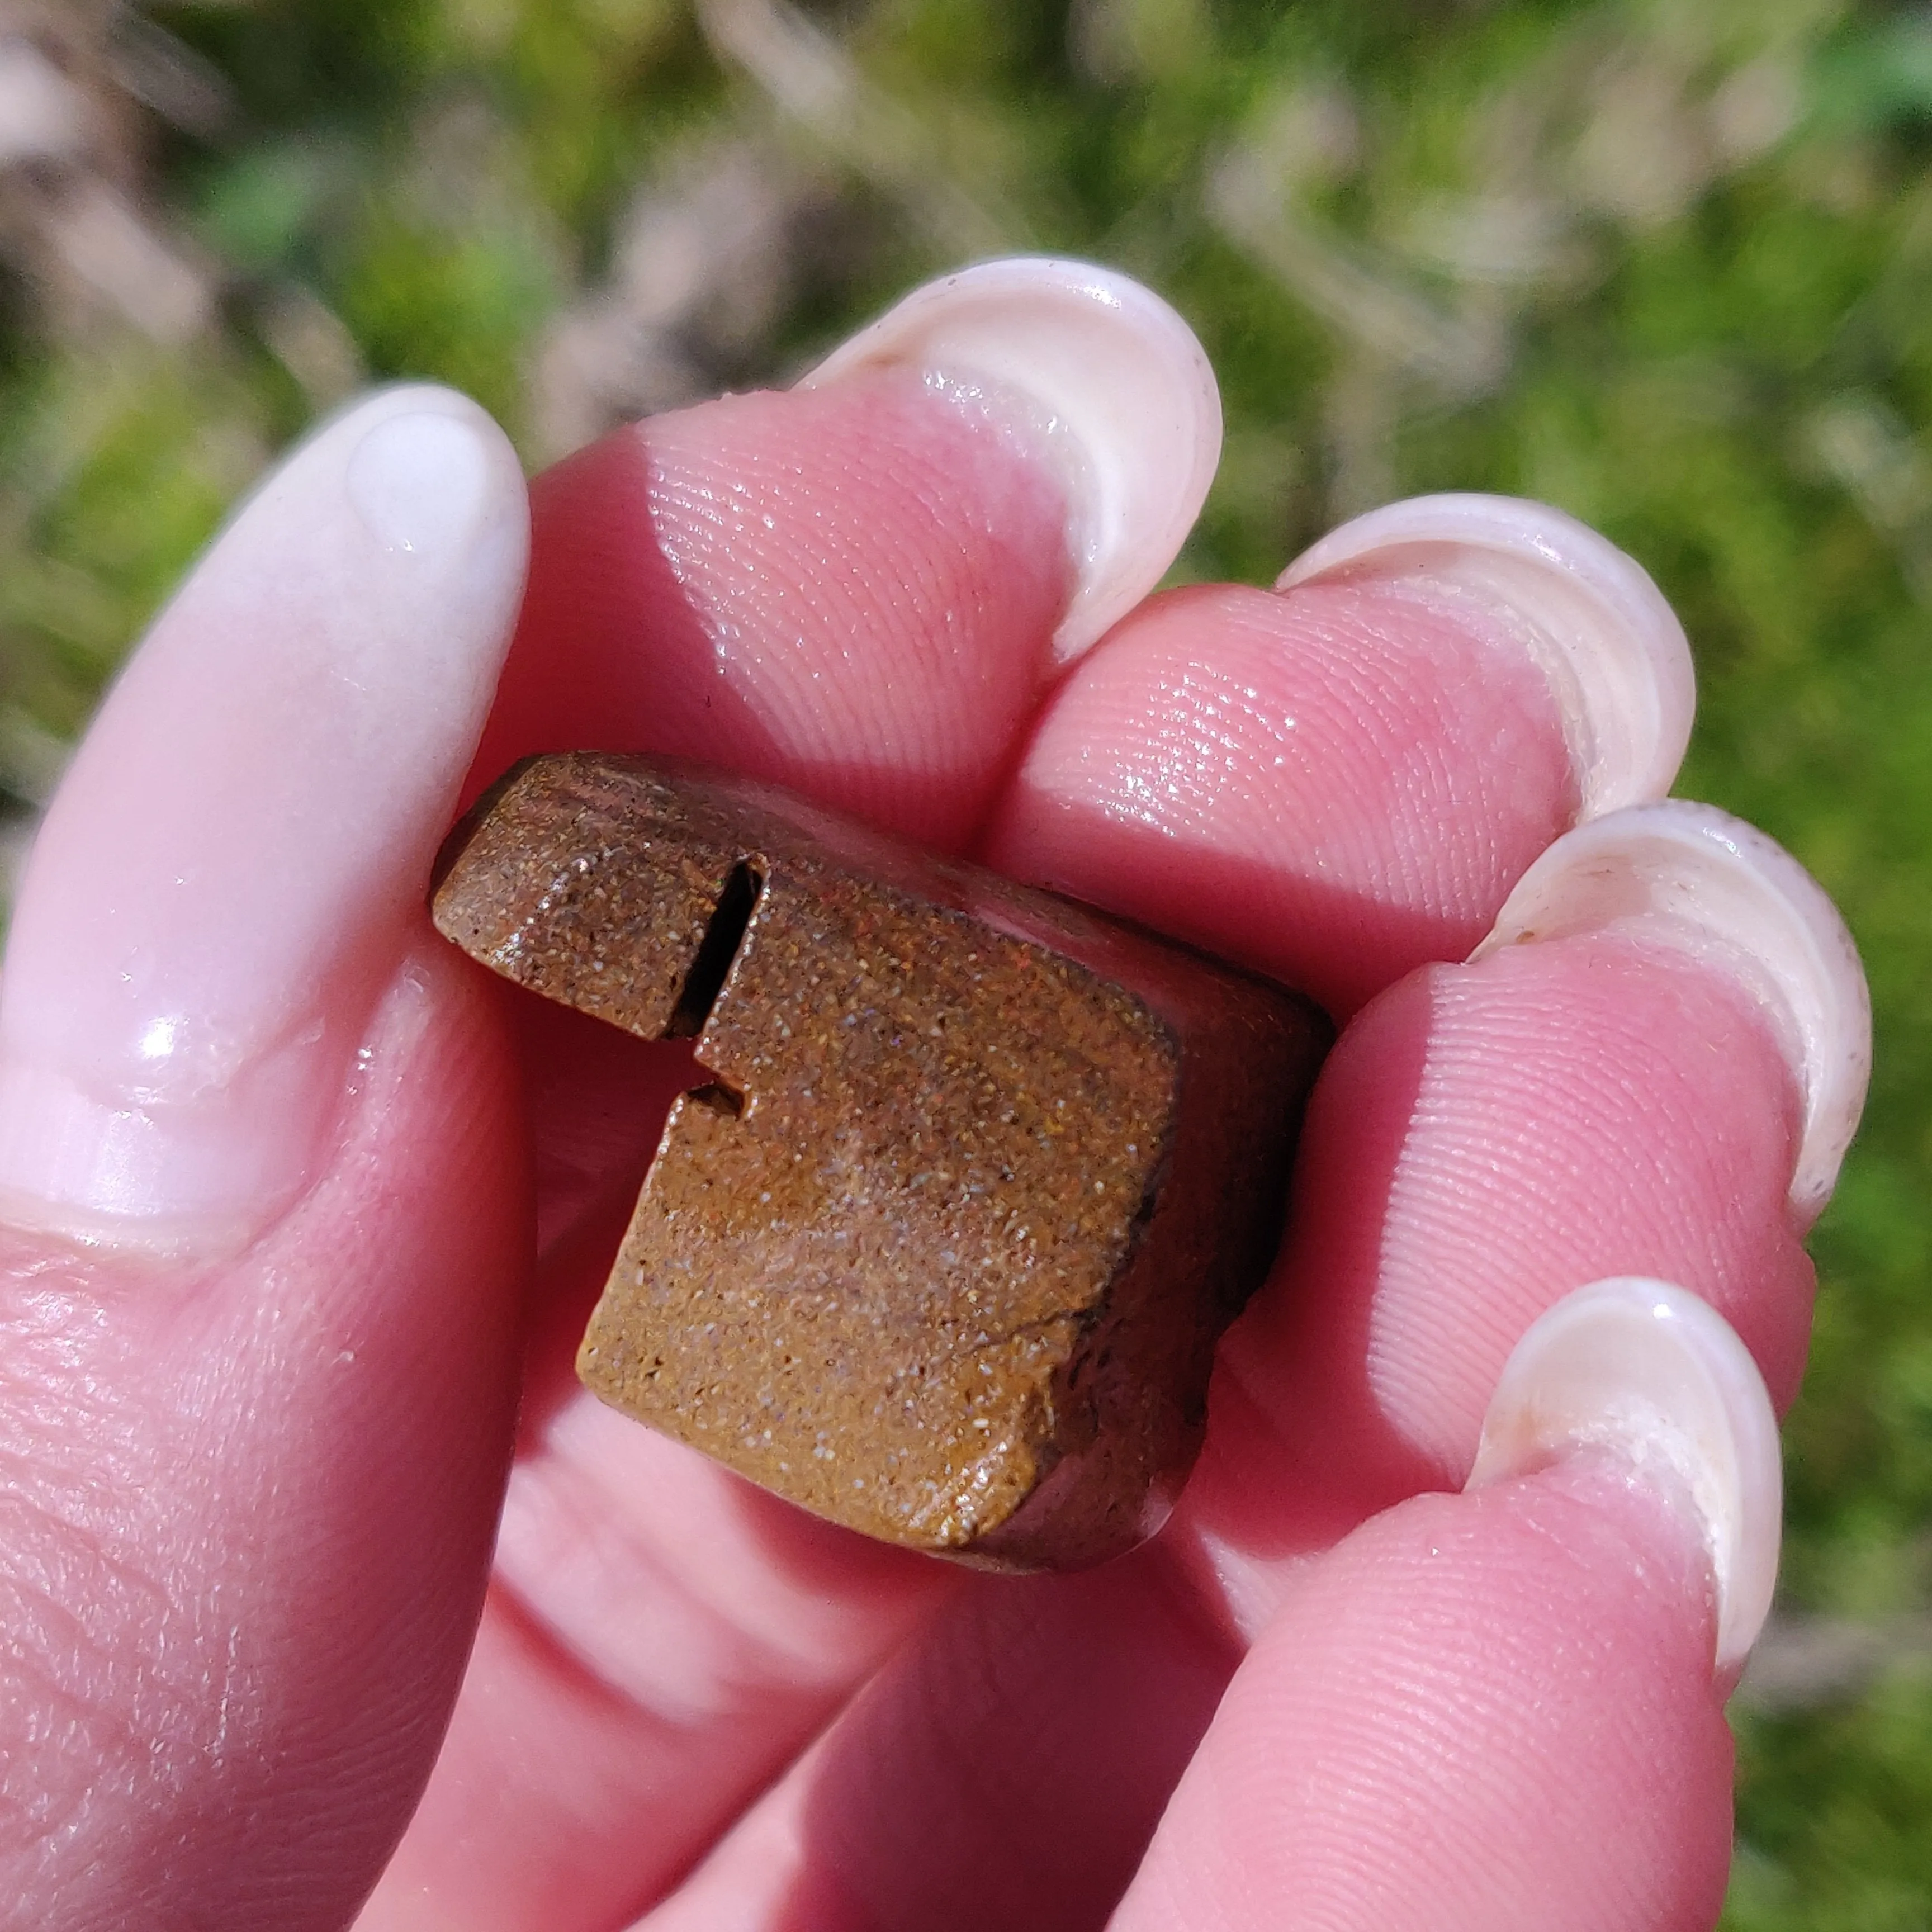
943 1252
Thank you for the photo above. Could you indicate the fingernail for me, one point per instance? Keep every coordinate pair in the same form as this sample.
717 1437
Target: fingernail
1096 371
1599 629
419 482
231 868
1648 1372
1693 877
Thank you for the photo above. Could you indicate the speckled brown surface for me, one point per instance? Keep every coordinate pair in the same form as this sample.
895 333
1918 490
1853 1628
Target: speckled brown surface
944 1253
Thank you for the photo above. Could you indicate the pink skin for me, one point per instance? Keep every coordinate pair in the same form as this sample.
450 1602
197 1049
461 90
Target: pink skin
1394 1751
1491 1714
248 1552
1275 768
849 591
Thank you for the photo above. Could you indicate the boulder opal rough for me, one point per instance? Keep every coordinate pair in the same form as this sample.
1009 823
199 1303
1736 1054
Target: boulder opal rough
942 1250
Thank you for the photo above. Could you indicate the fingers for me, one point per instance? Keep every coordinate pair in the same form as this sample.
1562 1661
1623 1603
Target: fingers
1412 690
1032 1736
1630 1095
268 1209
660 1640
1340 780
1638 1084
1007 1769
1056 1682
1498 1710
859 588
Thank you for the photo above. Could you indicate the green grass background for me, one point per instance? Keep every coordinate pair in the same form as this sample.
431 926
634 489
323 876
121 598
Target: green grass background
1667 263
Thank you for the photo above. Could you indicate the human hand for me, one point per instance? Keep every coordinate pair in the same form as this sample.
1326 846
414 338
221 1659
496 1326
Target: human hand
266 1148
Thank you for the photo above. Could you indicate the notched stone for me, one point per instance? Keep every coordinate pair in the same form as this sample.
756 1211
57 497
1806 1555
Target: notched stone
942 1249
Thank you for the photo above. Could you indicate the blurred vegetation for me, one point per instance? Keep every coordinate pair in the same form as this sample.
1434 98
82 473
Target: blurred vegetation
1667 263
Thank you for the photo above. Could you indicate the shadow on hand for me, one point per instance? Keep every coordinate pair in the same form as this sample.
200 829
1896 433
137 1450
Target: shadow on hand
1008 1767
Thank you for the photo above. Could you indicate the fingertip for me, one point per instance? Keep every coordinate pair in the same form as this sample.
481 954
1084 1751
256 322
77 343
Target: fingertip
1694 879
1599 630
858 588
849 591
1489 1712
1330 788
1647 1374
228 874
1102 375
1484 1137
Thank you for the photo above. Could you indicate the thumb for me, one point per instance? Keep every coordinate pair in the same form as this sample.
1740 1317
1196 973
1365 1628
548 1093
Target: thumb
263 1209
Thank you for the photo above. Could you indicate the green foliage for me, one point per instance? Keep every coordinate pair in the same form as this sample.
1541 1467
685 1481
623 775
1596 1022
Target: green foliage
113 473
1837 1811
425 298
1664 262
